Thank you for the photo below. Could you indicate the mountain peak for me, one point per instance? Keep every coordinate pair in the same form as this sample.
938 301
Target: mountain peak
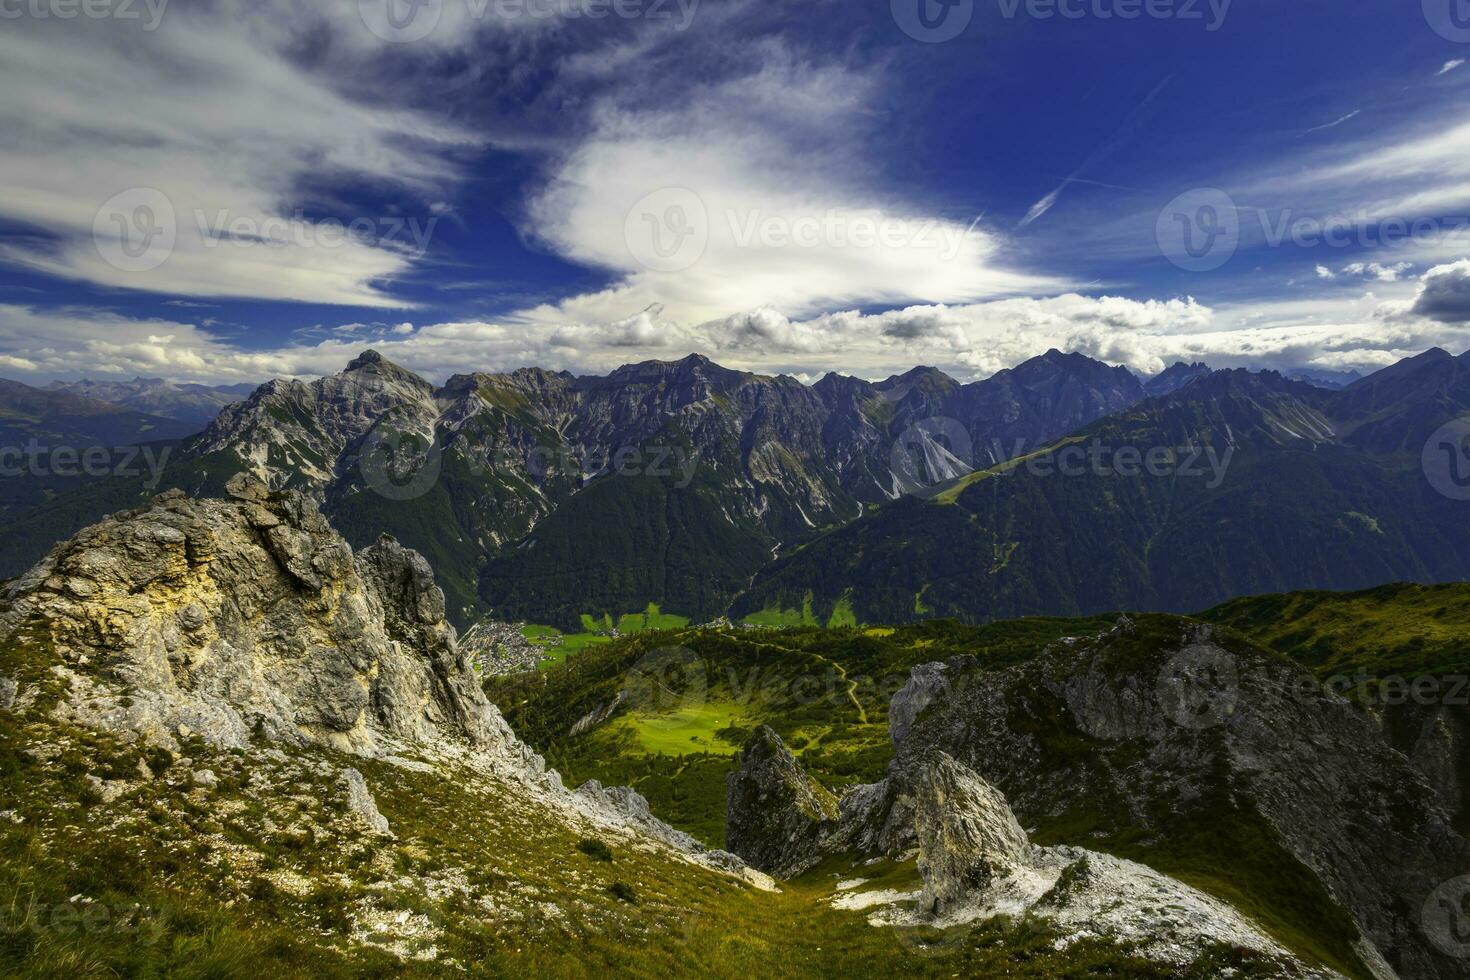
1175 377
373 364
368 358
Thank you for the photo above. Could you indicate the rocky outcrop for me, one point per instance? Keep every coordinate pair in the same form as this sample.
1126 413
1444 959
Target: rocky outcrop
926 682
249 617
1156 730
1159 735
977 862
360 801
777 816
248 621
968 837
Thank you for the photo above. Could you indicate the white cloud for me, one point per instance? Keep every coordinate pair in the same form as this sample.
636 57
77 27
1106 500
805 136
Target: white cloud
1449 66
1336 122
770 197
968 340
1444 294
213 111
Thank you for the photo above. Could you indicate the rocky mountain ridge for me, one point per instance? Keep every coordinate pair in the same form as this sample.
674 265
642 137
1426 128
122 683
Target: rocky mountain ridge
496 477
1236 483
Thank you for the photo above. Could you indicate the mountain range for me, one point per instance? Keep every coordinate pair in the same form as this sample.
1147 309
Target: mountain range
194 404
547 497
1266 485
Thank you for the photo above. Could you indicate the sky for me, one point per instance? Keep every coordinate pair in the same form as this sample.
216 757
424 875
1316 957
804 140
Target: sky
231 190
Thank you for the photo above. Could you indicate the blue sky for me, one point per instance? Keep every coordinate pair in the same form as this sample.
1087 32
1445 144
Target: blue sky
787 187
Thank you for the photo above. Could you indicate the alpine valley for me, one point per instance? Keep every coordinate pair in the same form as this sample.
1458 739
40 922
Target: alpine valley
687 671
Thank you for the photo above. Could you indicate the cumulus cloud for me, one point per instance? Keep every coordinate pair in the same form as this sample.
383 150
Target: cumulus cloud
967 340
1444 294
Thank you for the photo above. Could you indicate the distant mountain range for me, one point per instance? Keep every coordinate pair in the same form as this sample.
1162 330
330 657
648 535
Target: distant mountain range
1290 487
544 496
195 404
53 418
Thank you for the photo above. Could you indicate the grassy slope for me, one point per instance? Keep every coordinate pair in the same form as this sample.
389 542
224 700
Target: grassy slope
264 875
1409 630
1405 630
